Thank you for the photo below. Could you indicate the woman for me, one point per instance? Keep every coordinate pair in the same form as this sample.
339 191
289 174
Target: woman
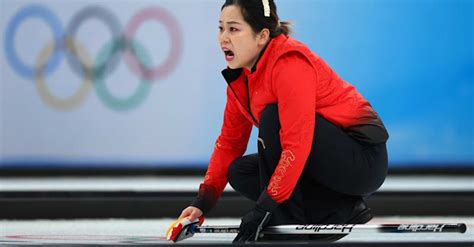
321 146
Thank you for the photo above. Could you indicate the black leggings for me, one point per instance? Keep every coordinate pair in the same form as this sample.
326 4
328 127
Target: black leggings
339 171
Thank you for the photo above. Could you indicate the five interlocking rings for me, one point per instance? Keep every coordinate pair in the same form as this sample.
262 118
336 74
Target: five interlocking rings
94 71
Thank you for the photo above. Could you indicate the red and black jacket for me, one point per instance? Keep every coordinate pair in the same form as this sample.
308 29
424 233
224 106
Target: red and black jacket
302 85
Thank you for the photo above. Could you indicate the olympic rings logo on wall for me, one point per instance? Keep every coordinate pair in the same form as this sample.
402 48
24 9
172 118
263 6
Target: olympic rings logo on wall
94 71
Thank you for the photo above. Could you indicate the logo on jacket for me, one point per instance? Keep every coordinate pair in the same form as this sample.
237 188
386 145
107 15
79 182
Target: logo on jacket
286 159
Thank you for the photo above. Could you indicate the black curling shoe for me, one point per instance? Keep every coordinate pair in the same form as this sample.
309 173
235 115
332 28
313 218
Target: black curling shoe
360 214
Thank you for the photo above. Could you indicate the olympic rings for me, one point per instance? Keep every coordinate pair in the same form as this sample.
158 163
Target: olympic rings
111 22
140 93
106 61
46 96
157 14
28 12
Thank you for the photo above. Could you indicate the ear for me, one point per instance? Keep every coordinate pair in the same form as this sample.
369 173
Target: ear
263 37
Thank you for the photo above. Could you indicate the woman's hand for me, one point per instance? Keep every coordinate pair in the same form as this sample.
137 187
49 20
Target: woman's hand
252 224
191 212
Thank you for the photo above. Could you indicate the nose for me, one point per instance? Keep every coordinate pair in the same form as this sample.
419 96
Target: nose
223 37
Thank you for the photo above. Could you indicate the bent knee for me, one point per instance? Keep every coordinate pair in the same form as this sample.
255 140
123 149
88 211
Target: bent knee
233 174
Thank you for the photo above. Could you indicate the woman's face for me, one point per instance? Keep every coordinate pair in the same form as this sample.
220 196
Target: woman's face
240 45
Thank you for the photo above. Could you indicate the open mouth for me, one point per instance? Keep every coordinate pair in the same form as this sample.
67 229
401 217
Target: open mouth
229 55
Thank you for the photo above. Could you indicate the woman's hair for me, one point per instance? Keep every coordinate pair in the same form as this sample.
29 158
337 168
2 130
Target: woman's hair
253 12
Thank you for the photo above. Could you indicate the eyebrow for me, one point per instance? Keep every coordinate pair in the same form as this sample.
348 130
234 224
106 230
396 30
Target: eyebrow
231 22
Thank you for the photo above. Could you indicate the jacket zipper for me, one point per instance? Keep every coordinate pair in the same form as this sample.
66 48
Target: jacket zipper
248 99
249 111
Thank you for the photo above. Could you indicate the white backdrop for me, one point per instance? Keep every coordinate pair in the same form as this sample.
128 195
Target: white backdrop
413 61
176 123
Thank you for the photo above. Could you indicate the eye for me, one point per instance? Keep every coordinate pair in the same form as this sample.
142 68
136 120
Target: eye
233 29
221 29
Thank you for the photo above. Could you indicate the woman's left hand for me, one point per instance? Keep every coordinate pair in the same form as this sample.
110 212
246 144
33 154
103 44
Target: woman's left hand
252 224
255 220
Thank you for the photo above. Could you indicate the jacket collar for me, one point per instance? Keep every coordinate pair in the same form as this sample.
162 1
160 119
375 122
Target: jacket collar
231 75
254 68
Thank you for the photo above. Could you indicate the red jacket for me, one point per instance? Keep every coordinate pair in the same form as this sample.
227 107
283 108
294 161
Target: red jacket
303 85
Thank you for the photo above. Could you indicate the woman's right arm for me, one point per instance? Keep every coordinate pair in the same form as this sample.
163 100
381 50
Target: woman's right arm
231 144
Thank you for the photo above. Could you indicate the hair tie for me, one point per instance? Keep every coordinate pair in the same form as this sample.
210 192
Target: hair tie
266 8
